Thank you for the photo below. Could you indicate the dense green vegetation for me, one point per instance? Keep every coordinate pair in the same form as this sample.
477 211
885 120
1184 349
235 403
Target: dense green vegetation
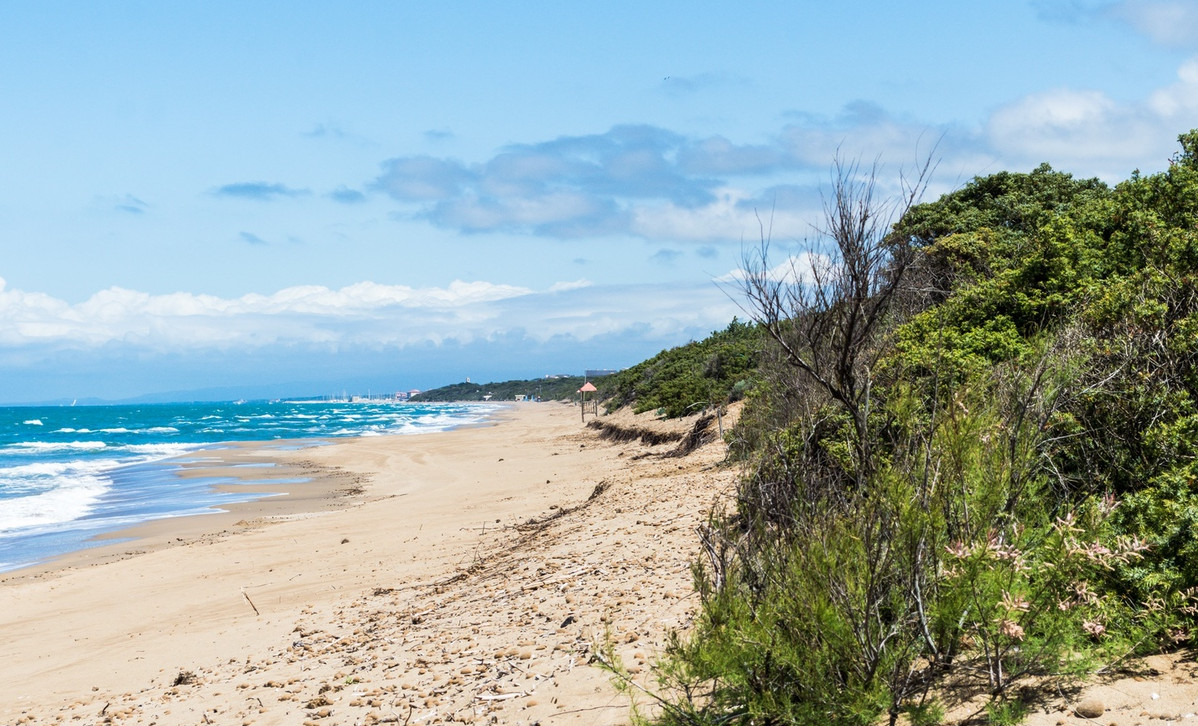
675 382
678 381
971 448
547 389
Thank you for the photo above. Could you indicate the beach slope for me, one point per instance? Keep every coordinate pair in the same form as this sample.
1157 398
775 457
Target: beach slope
463 576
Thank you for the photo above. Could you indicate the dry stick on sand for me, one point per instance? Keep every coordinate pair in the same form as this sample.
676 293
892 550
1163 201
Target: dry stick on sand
251 602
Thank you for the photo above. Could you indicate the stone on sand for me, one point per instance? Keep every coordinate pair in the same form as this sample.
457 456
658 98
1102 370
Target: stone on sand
1090 708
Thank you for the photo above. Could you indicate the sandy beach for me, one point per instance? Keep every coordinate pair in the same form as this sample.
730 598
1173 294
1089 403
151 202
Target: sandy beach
465 576
462 576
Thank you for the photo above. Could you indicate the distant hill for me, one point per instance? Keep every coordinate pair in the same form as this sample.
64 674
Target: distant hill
718 369
713 371
547 389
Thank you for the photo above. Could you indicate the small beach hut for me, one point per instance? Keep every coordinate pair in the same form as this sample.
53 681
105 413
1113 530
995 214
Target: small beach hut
588 387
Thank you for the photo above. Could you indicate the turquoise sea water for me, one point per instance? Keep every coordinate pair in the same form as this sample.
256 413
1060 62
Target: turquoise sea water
69 473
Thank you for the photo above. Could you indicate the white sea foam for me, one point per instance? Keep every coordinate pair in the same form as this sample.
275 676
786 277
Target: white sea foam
69 491
64 486
161 451
50 469
48 446
440 422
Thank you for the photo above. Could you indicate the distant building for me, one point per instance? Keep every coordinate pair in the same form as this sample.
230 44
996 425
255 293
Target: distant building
600 372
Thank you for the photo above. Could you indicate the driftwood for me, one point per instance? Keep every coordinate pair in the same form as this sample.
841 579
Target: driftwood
500 696
251 602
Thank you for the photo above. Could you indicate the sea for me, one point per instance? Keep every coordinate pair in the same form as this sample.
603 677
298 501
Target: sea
70 473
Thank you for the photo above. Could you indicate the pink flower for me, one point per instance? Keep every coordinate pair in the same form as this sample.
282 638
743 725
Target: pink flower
1005 551
1083 594
1011 629
1132 547
1066 524
957 549
1094 628
1016 602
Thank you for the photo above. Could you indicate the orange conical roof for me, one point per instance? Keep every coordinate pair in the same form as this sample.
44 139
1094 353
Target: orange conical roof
587 387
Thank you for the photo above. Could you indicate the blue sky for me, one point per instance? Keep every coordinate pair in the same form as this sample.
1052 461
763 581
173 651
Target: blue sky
304 198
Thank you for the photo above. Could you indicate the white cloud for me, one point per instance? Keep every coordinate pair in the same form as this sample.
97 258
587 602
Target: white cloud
794 270
1179 100
1066 126
1173 22
472 213
722 220
662 186
718 155
567 286
652 183
1064 110
363 314
305 313
1089 134
648 311
735 216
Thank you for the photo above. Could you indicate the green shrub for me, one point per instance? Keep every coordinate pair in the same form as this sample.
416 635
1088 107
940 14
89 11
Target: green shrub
681 380
849 605
928 713
992 470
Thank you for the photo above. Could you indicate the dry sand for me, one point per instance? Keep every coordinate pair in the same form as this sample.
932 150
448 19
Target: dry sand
464 576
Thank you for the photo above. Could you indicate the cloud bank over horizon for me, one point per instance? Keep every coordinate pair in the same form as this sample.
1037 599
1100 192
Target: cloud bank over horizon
364 320
363 314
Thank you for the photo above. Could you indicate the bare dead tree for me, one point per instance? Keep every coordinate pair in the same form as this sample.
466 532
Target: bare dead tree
828 308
